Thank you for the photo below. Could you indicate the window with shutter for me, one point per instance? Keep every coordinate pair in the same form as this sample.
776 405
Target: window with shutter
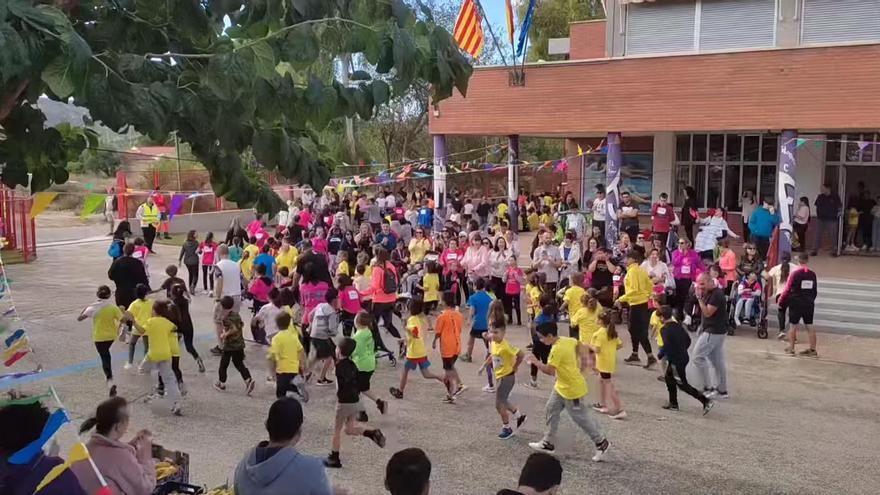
666 27
732 24
839 21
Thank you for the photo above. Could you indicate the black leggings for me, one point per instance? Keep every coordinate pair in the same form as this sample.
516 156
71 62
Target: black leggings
672 384
193 271
682 287
511 304
780 315
187 334
206 278
104 351
237 358
689 232
496 285
175 367
639 319
542 352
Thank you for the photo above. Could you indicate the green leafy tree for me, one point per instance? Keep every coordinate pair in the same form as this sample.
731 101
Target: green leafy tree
230 77
551 20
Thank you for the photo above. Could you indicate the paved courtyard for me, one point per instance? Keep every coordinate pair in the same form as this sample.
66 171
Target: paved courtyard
793 425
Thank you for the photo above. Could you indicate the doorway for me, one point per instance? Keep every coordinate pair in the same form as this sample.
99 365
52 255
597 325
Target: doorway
859 189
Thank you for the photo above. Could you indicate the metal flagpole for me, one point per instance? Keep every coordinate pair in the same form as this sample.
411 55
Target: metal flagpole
492 33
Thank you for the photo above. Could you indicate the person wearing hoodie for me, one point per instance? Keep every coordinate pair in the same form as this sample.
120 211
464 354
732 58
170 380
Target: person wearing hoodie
276 467
21 424
761 225
189 255
128 467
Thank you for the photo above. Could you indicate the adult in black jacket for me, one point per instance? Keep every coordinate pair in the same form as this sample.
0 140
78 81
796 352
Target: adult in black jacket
127 272
688 210
675 349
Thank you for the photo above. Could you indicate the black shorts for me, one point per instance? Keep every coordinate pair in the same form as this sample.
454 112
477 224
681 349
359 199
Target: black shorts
449 362
324 348
284 384
363 380
430 306
800 313
604 376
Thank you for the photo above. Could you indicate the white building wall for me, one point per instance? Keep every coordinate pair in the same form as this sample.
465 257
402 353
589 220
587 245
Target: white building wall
664 164
810 167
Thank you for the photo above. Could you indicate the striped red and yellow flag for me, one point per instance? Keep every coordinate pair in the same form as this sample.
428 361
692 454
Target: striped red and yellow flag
510 21
468 31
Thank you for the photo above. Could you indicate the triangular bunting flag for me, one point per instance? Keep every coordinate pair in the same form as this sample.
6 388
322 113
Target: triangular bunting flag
91 203
41 201
56 420
800 142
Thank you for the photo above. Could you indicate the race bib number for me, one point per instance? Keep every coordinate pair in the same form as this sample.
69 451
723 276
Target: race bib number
259 235
661 211
452 256
807 285
497 362
616 278
353 295
208 249
686 270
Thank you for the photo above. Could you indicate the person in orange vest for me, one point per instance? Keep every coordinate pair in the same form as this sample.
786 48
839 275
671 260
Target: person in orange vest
148 215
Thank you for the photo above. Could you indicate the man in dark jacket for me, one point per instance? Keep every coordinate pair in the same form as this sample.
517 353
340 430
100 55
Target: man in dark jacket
828 211
127 272
675 349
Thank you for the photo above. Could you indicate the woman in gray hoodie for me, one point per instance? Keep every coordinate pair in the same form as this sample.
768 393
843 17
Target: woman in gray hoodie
190 257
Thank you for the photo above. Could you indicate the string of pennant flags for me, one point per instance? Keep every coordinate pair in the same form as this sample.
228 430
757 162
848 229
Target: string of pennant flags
13 337
862 144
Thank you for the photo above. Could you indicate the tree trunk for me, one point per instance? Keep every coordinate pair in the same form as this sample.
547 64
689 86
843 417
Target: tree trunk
345 60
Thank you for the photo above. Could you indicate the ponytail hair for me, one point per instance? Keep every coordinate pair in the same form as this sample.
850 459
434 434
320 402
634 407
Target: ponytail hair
606 319
497 316
592 301
108 414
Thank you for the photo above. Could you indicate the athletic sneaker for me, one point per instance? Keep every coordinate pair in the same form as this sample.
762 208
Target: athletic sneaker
619 415
216 351
362 417
506 433
220 386
461 388
249 386
112 390
708 407
709 392
598 407
672 407
182 387
781 335
789 351
532 383
601 450
489 389
721 395
176 410
651 362
201 365
633 359
395 392
332 461
324 382
449 399
520 420
378 438
543 446
466 358
809 353
382 406
127 366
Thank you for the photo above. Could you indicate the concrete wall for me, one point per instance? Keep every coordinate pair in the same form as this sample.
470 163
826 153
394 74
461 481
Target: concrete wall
216 222
810 168
664 164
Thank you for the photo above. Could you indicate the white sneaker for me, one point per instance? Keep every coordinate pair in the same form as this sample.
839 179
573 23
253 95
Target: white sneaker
620 415
127 366
489 389
600 452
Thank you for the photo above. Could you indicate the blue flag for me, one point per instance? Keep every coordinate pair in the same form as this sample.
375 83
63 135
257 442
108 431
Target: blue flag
524 30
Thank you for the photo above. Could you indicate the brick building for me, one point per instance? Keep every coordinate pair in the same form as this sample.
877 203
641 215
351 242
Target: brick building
715 94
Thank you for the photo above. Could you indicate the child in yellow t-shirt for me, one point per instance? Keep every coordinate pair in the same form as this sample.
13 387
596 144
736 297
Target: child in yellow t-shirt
430 286
416 352
852 225
655 324
106 317
605 344
534 220
587 317
286 358
533 296
141 309
160 330
571 300
504 359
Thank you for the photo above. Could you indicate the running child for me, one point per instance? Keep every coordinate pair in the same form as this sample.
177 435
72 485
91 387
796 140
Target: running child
232 346
259 288
142 310
416 353
448 332
106 317
322 329
349 303
654 325
184 324
171 281
348 404
567 362
571 301
263 326
174 344
430 287
549 314
504 359
364 357
605 344
286 358
677 341
207 250
534 289
160 329
479 303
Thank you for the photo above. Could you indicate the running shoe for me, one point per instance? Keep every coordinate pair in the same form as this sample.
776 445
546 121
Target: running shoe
220 386
332 462
618 415
323 382
532 383
112 390
489 389
721 395
382 406
671 407
789 351
781 336
651 362
598 407
601 450
201 365
809 353
520 420
708 407
249 386
395 392
362 417
182 387
378 438
506 433
127 366
216 351
465 358
543 446
176 410
449 399
461 388
633 359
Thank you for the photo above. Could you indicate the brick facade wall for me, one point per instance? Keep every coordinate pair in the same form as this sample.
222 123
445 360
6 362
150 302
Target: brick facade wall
587 40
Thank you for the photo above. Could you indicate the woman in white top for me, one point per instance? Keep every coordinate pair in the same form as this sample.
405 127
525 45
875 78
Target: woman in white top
570 252
657 269
748 207
801 220
498 258
778 276
711 229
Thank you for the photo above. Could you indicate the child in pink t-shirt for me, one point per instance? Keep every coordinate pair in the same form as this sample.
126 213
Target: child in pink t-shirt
311 294
207 250
513 280
350 303
260 287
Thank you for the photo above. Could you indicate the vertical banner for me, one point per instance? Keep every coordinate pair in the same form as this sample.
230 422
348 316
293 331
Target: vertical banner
513 181
785 189
612 188
439 180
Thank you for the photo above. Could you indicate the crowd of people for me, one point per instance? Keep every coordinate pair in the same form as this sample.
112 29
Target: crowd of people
326 280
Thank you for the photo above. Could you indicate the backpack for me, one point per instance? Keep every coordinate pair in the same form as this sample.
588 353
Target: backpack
389 282
115 249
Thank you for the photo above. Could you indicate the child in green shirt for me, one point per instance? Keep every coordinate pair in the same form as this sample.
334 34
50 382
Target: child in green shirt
364 357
